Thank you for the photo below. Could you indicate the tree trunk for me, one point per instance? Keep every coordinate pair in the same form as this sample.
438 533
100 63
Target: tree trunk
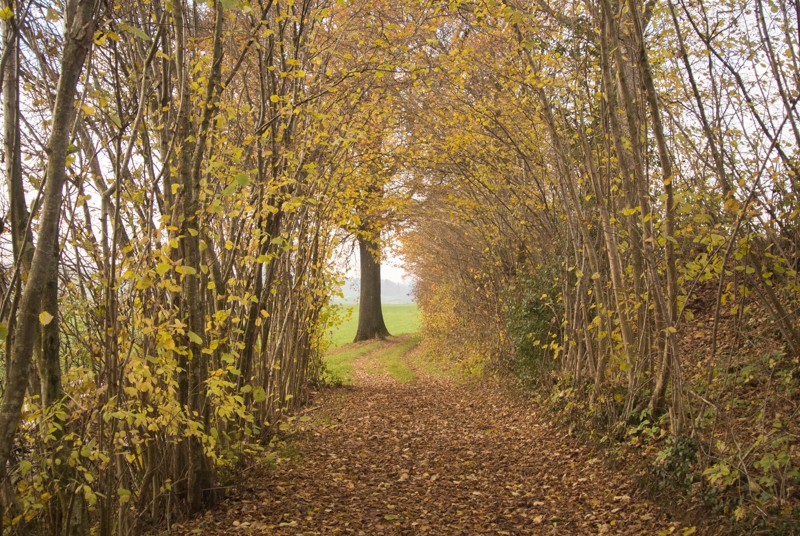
200 478
79 31
671 358
18 211
370 314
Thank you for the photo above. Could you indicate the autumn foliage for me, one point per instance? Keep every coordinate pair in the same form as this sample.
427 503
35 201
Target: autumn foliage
599 196
606 206
207 165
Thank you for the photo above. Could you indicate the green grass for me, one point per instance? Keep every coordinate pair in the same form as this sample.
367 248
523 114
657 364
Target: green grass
339 364
392 361
400 319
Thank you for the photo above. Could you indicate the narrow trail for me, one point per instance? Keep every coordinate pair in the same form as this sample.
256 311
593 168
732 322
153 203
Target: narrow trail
429 456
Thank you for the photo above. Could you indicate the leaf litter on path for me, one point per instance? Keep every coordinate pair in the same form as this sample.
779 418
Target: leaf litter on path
431 456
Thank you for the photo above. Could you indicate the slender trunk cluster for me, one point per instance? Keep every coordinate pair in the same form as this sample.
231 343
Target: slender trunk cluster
165 301
600 189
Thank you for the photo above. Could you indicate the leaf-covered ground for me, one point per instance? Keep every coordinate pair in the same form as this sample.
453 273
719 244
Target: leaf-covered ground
429 456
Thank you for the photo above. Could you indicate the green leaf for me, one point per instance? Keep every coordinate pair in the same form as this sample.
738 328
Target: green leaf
242 179
259 395
3 330
24 467
231 4
194 337
136 32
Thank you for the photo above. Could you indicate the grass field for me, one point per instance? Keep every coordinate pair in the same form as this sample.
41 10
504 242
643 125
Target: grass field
392 361
339 364
389 356
400 319
398 357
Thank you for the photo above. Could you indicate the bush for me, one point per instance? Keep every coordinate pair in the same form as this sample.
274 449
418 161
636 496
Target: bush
533 312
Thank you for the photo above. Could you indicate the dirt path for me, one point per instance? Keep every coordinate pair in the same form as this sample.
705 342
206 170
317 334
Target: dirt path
430 456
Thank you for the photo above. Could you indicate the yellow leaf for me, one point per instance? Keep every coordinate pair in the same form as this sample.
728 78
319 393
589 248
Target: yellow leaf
89 495
731 205
124 495
185 270
144 283
6 13
45 318
162 268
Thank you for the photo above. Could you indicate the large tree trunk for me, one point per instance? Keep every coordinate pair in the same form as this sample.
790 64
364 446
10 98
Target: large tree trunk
370 314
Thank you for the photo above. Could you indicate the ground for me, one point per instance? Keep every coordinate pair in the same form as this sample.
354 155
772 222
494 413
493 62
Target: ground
419 452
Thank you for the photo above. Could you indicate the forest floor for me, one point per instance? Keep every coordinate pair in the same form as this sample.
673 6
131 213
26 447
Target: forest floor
423 452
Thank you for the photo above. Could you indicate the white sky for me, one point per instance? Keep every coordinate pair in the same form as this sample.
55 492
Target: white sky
391 267
393 270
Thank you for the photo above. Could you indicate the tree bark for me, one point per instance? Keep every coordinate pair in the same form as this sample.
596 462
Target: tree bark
200 493
79 30
370 313
18 211
670 364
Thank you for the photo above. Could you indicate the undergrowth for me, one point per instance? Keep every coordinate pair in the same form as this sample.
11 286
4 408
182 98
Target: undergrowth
738 459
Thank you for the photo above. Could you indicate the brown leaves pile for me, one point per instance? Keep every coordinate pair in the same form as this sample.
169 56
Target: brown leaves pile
431 457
